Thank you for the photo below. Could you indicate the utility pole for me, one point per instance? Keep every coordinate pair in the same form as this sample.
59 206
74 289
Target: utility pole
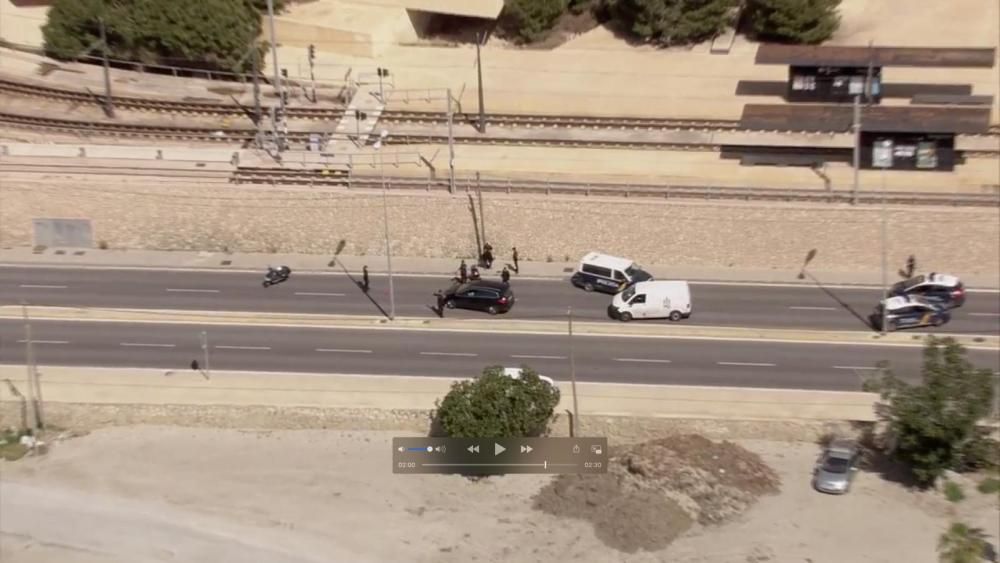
29 357
480 37
379 145
868 75
885 250
256 96
382 73
109 104
277 79
312 70
856 127
204 348
451 146
482 218
572 367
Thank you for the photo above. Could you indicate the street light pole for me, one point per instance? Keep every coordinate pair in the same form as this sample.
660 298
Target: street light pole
572 368
385 210
885 250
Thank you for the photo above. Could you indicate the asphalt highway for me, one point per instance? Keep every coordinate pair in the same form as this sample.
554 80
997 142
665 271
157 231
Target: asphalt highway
426 353
807 307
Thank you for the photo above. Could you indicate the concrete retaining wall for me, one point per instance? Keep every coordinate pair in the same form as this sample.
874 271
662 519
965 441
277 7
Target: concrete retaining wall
183 216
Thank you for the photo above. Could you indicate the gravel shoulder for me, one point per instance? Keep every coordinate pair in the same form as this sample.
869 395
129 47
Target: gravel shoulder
166 493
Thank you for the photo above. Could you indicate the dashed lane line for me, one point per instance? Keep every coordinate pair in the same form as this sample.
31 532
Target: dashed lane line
42 286
183 290
146 345
464 354
746 364
642 360
319 294
807 308
243 347
536 357
864 368
343 351
44 341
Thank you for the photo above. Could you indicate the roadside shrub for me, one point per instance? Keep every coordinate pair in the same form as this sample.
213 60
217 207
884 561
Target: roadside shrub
794 21
671 22
953 491
989 485
496 406
529 20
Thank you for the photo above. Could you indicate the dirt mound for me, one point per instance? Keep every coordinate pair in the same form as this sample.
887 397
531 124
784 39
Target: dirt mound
655 490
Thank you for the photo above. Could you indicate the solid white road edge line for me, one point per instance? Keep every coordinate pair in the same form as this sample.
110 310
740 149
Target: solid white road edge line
984 314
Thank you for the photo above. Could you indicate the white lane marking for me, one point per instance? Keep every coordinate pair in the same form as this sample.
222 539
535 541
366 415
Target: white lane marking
534 357
319 293
866 368
41 286
747 364
193 290
44 341
804 308
642 360
244 347
448 354
984 314
342 350
146 345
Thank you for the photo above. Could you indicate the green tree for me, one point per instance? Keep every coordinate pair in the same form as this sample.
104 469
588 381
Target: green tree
672 22
794 21
934 424
529 20
212 34
962 544
496 406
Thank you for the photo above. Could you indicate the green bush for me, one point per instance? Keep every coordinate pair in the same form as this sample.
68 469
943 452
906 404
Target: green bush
953 491
989 485
496 406
209 34
935 423
671 22
794 21
962 544
529 20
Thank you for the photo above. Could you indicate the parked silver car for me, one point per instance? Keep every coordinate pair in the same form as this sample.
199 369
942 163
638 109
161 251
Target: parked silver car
836 467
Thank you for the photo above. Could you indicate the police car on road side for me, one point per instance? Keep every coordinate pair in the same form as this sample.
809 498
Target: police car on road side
940 289
904 311
607 274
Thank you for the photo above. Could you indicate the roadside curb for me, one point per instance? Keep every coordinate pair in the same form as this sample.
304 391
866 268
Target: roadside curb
632 330
90 385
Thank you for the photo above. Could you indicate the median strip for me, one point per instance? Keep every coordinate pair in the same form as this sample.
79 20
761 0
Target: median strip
486 325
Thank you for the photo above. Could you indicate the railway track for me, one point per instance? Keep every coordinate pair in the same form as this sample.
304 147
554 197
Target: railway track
272 176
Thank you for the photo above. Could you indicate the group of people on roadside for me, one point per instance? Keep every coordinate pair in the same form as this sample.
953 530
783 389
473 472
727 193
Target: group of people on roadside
486 258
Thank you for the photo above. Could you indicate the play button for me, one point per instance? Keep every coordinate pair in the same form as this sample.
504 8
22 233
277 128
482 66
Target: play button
498 449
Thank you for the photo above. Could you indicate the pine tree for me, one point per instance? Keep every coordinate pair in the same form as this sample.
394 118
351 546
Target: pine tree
794 21
672 22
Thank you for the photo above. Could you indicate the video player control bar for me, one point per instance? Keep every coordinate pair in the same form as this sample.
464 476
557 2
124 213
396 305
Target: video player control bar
489 456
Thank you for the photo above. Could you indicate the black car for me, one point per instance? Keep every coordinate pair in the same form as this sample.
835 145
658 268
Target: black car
943 290
482 295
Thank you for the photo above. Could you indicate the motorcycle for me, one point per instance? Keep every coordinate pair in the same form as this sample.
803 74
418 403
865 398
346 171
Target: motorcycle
274 276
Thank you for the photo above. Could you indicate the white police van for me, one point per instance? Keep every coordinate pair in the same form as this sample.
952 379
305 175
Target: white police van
607 274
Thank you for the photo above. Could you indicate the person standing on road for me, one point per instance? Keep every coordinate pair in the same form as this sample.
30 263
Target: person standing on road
440 303
364 278
463 272
517 266
488 256
505 275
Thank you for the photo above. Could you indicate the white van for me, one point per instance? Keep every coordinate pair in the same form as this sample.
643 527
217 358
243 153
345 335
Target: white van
652 300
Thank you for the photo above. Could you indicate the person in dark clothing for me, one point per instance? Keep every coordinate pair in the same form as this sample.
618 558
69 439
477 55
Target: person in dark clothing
505 275
517 266
463 272
474 273
440 303
488 256
364 279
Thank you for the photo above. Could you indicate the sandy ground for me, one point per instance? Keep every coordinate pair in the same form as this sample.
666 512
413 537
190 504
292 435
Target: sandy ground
146 494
